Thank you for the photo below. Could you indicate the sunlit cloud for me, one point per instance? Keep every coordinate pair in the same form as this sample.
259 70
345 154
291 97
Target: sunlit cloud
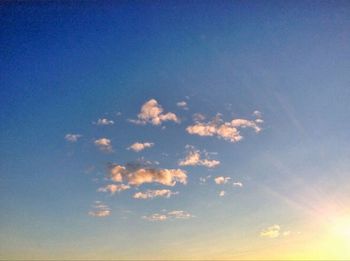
104 121
72 137
138 175
271 232
194 158
175 214
138 146
222 193
113 188
149 194
237 184
230 131
221 180
99 209
152 112
104 144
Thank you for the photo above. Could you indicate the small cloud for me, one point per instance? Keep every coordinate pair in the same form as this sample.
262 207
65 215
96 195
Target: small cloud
166 193
286 233
72 137
138 174
271 232
230 131
113 188
237 184
104 121
182 104
194 158
152 112
104 144
175 214
257 114
197 117
221 180
137 146
203 180
222 193
100 210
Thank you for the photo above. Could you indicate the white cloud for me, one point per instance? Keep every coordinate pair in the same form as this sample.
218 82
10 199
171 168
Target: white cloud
175 214
137 176
104 121
257 113
166 193
237 184
194 158
72 137
182 104
152 112
229 131
100 210
222 193
113 188
137 146
221 180
271 232
104 144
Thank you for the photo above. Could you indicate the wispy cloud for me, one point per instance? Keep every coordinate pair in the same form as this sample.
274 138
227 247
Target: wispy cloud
221 180
165 193
113 188
99 209
152 112
175 214
104 121
136 175
72 137
138 146
229 131
104 144
237 184
271 232
194 158
182 104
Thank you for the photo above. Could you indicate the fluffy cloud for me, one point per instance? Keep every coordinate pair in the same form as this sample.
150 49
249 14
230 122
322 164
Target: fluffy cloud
166 193
104 121
175 214
152 112
72 137
182 104
113 188
138 175
229 131
194 158
104 144
100 210
271 232
221 180
137 146
222 193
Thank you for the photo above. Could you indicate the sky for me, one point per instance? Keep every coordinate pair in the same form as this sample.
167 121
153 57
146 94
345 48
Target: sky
175 130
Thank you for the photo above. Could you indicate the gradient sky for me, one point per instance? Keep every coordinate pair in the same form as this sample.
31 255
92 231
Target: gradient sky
281 66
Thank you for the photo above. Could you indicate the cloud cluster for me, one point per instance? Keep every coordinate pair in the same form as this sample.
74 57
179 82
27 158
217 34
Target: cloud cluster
138 175
100 210
175 214
222 180
72 137
166 193
138 146
152 112
104 144
229 131
104 121
194 158
113 188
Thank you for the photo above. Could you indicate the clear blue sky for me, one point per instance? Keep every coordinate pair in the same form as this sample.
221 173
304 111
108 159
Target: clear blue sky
64 66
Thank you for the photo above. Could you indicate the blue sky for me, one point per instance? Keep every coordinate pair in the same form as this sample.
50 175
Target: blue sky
66 65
